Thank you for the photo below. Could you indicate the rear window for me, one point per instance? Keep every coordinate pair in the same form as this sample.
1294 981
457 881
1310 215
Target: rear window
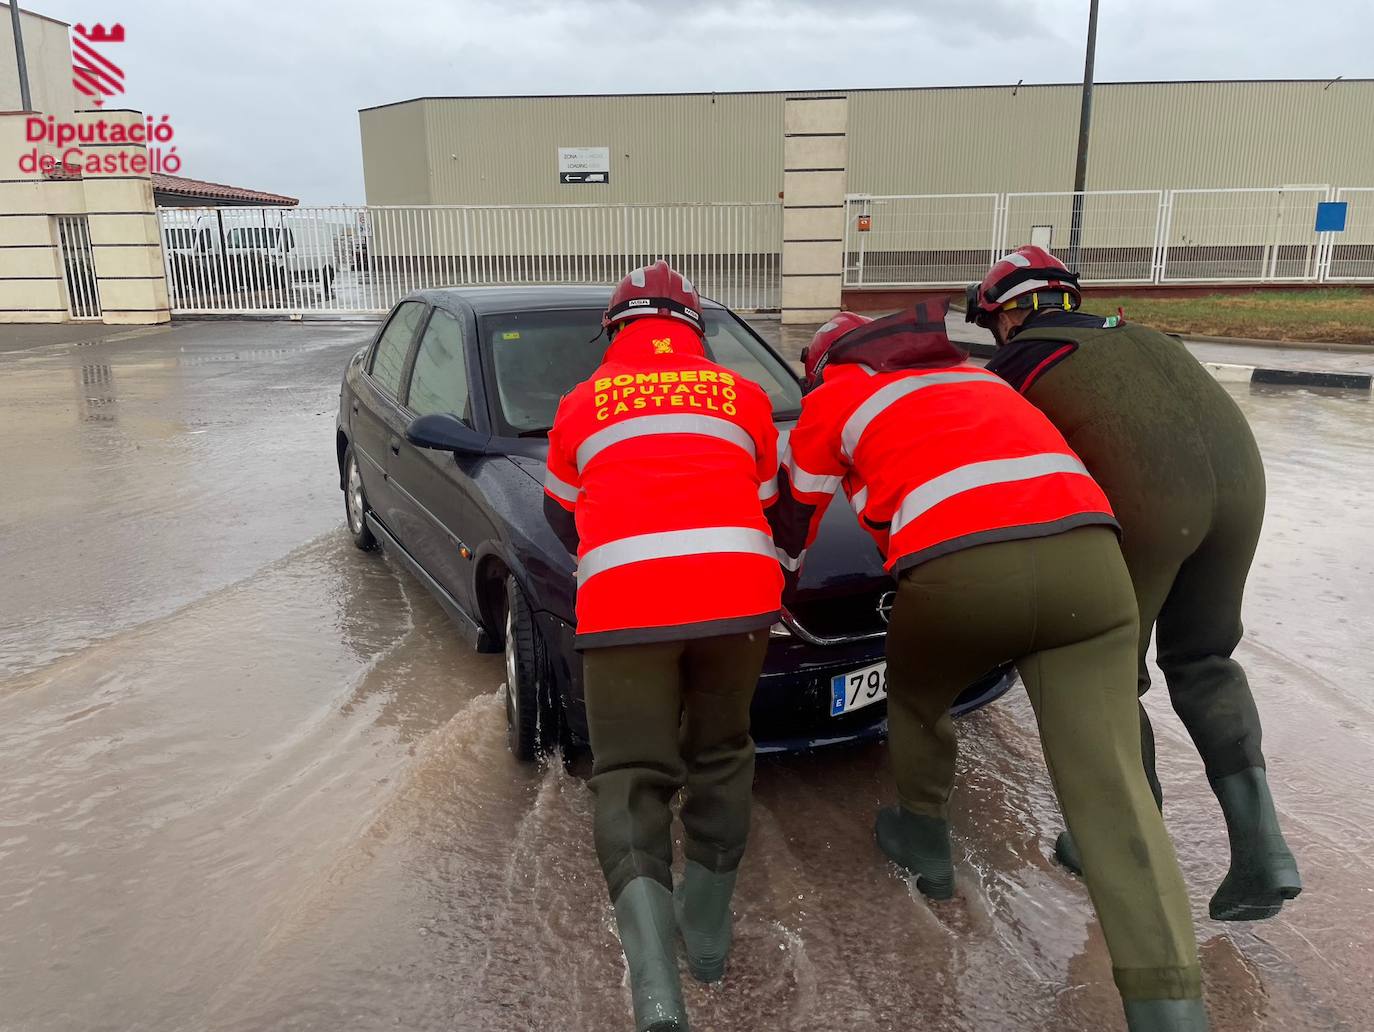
537 357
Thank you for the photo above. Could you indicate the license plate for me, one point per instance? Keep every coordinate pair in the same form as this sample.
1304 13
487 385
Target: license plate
857 689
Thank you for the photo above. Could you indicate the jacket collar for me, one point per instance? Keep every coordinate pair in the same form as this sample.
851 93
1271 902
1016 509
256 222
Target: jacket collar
652 337
910 339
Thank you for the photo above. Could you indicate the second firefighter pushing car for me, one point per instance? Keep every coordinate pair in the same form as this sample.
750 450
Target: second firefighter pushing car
1004 548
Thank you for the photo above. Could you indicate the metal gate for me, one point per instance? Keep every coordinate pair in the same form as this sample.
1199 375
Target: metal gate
364 259
1350 254
78 266
920 238
1261 235
1118 237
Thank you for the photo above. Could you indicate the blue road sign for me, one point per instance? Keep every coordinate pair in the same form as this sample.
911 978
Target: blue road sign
1331 216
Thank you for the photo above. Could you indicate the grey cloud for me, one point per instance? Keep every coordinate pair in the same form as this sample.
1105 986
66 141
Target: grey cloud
268 97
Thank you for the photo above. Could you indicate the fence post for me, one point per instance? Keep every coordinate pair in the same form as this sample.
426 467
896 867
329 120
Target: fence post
1164 235
1157 254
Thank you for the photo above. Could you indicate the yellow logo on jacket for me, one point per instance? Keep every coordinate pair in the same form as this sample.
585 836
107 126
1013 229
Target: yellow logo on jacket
663 346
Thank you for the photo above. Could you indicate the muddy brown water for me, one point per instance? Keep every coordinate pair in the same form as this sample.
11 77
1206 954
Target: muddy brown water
250 779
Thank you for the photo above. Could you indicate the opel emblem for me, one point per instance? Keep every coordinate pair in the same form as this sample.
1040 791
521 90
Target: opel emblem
885 603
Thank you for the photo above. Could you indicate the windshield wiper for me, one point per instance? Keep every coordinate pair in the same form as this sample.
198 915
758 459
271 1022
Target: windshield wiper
541 431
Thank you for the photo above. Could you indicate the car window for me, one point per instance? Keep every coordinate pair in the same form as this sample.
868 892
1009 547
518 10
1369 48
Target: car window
537 357
440 380
390 357
734 348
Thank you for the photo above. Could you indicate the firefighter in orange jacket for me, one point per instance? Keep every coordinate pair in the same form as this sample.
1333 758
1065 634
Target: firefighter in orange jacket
662 462
1004 549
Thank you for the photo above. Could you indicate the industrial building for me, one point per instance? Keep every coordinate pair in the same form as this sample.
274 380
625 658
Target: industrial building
703 147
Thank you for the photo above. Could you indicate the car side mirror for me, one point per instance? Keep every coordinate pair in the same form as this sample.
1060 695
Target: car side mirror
443 432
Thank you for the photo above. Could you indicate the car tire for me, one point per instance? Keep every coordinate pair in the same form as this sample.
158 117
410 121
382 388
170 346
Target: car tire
530 727
355 503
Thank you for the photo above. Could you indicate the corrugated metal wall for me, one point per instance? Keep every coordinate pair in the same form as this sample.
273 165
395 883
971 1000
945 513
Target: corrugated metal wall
695 147
728 147
396 166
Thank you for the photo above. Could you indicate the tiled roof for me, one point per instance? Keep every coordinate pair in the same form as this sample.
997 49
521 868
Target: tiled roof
216 191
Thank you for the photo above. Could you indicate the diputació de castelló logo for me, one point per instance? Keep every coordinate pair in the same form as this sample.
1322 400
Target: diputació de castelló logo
96 75
93 73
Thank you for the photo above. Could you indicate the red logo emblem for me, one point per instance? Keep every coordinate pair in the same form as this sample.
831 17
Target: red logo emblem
93 73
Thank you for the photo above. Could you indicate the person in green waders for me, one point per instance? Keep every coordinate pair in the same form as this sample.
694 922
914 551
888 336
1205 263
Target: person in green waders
1178 462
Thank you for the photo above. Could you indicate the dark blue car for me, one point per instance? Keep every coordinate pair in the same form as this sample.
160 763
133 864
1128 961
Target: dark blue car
441 443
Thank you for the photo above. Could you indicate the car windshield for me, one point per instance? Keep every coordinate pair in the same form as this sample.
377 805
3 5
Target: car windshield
539 356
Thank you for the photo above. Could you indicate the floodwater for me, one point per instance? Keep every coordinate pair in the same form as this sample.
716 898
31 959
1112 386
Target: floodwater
251 779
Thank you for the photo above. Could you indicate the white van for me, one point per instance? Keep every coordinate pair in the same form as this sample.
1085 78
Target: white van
271 244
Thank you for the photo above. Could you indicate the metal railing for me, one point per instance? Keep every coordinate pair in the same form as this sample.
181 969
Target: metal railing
78 266
1351 260
1253 235
364 259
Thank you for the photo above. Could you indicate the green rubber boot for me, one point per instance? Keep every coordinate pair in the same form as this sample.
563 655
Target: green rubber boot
920 845
702 905
648 934
1066 852
1263 872
1165 1016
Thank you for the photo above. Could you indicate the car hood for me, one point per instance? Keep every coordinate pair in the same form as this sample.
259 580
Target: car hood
843 560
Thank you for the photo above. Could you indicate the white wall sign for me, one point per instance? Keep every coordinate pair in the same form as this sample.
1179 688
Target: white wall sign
584 164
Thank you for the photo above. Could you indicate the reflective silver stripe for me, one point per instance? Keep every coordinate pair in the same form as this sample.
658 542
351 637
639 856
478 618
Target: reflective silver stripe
1024 287
672 544
981 474
768 489
810 483
788 563
859 500
883 397
559 488
676 423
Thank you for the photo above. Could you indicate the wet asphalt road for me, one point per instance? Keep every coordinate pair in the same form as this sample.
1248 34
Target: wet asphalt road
250 779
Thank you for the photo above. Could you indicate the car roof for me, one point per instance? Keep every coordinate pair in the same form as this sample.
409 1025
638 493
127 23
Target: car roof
528 298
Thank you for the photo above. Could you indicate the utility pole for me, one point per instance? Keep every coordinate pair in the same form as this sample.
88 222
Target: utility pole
1085 118
21 64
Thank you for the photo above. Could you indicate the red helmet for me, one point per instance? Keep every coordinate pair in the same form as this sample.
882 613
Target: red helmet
840 323
1029 277
656 289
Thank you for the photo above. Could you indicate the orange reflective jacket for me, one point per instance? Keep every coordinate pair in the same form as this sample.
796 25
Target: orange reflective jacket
933 460
667 460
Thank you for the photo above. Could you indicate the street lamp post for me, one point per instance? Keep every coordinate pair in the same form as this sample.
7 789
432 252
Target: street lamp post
19 61
1085 117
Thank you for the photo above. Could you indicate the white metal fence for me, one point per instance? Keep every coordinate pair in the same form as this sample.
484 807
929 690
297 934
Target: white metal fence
1350 255
1258 235
78 266
363 259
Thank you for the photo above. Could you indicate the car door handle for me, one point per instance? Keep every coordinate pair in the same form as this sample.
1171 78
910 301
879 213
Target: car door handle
395 446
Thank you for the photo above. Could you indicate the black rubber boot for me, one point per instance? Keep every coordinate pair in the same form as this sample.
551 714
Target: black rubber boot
920 845
648 934
702 905
1263 872
1165 1016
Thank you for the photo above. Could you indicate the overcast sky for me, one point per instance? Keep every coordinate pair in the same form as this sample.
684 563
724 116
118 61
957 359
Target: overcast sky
266 94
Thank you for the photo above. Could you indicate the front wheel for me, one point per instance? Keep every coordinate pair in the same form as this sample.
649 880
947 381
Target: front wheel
530 727
355 503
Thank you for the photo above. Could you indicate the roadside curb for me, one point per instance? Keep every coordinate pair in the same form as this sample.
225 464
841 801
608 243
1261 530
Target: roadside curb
1227 373
1286 345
